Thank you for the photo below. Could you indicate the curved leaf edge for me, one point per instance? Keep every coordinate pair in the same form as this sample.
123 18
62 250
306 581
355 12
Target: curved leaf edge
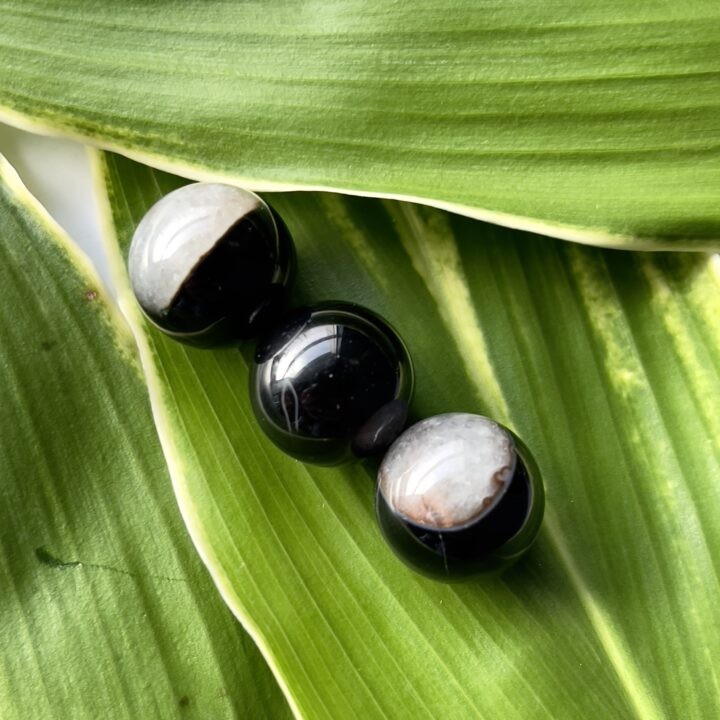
108 310
105 308
129 309
597 237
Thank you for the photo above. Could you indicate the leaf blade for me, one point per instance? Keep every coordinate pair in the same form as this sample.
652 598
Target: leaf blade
609 610
107 611
598 126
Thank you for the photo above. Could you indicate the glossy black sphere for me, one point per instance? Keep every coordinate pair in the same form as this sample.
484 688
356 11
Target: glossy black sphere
210 264
459 494
331 381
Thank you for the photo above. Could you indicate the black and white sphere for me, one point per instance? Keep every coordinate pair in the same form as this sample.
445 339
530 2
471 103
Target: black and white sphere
210 263
331 381
459 494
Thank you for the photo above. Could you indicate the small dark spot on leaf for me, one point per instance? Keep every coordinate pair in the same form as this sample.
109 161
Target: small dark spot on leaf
46 558
48 344
91 295
184 701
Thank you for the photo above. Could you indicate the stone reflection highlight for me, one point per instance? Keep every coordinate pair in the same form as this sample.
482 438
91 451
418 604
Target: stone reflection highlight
323 374
210 264
458 494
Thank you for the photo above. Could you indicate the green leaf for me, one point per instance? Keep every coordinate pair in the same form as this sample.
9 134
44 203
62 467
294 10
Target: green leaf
106 610
596 122
604 362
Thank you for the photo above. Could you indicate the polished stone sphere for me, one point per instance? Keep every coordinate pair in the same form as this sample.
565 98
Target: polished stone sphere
459 494
331 381
210 264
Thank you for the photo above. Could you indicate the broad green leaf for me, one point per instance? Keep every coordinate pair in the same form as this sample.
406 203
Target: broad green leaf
604 362
105 610
597 122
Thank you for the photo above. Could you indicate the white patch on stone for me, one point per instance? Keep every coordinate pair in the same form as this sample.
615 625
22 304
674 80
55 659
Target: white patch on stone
177 232
447 471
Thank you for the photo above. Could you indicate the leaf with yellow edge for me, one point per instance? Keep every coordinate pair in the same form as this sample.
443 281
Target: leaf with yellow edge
595 122
105 610
605 363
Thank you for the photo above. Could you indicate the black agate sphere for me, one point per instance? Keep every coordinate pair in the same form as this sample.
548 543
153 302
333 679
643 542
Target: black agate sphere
210 263
331 381
459 494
